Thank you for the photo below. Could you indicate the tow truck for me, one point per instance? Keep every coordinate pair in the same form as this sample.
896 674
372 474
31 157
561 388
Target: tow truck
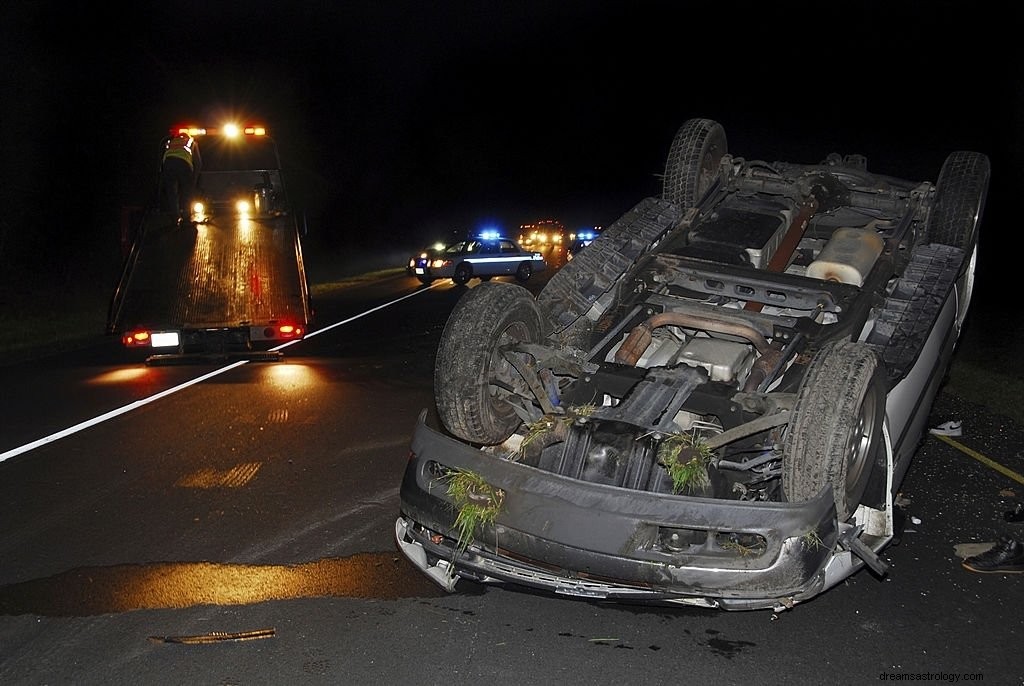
231 282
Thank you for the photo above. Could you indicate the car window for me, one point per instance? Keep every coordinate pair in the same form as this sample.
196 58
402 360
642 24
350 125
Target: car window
508 246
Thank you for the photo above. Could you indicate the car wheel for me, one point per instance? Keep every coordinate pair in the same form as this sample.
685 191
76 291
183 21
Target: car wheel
463 273
524 272
693 161
574 289
960 194
835 429
472 379
427 280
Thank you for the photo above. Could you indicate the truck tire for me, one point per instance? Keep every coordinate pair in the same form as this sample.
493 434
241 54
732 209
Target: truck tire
472 380
835 429
693 160
960 194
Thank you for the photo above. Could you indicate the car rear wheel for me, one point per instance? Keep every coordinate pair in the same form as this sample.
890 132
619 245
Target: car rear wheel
693 160
575 288
463 273
473 382
524 272
426 279
960 194
835 430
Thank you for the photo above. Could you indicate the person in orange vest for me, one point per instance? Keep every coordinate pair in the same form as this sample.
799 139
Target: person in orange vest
180 168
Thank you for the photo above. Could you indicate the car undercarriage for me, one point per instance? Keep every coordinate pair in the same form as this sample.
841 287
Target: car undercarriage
715 402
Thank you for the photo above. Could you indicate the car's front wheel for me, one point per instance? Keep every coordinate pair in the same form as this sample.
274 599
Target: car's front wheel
835 430
462 274
524 272
473 381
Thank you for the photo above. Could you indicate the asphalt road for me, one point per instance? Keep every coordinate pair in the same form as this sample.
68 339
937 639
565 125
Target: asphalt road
240 531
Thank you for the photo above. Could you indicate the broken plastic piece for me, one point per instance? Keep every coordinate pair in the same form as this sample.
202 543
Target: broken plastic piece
950 428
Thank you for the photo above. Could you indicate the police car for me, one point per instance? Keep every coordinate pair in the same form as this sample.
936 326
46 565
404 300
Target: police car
484 256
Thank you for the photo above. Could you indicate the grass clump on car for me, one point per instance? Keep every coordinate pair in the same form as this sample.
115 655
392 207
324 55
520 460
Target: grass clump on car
686 458
476 502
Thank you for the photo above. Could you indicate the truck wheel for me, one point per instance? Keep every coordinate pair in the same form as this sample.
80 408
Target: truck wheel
693 159
472 379
960 194
835 429
463 273
524 272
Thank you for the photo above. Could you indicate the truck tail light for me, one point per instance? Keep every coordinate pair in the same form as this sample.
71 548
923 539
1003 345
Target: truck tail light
136 339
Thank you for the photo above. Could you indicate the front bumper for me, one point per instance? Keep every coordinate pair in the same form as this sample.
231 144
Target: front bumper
578 538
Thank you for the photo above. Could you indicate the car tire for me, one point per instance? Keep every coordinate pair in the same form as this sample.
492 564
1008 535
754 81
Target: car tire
472 380
960 194
835 429
693 161
578 284
462 274
524 272
426 280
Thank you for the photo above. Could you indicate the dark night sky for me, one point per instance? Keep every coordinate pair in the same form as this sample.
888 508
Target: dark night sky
401 120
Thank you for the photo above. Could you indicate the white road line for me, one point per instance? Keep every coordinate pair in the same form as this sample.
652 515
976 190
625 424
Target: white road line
13 452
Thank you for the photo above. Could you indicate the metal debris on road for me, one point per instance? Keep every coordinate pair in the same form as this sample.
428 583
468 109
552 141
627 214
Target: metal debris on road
216 637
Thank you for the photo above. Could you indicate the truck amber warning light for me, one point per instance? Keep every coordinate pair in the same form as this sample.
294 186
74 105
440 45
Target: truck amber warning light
229 130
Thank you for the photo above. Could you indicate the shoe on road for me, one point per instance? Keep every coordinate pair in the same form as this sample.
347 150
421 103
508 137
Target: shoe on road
1005 557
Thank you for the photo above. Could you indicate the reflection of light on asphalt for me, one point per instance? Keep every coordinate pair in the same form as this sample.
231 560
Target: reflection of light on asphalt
100 590
208 477
202 240
116 376
288 376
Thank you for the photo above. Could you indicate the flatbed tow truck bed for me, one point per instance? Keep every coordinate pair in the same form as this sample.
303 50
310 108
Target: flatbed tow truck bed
210 280
229 283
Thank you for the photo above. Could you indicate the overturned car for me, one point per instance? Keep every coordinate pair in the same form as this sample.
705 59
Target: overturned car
712 405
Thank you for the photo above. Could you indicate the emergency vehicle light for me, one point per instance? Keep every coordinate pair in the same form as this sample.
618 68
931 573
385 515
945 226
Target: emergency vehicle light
229 130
